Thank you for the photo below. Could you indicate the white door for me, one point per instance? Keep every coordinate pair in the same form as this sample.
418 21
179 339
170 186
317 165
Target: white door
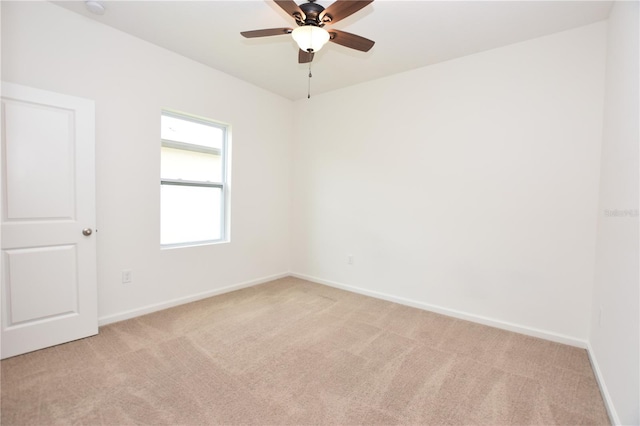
49 286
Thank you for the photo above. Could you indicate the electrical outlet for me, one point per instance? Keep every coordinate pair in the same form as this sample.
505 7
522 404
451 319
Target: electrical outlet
126 276
350 259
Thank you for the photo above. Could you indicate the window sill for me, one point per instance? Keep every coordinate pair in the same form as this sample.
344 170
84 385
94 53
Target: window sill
193 244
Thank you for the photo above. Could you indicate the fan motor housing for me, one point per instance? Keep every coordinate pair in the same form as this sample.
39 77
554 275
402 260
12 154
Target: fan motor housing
312 12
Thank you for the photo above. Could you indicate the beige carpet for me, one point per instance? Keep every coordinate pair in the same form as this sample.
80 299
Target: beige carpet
294 352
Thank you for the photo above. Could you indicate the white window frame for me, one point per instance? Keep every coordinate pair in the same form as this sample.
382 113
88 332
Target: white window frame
223 184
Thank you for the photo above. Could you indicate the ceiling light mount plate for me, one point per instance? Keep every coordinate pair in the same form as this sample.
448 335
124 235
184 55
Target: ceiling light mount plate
95 7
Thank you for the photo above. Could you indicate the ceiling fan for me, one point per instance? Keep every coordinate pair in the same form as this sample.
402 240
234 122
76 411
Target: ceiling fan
311 18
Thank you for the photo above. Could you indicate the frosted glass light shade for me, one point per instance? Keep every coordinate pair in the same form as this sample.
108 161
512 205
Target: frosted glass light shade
310 37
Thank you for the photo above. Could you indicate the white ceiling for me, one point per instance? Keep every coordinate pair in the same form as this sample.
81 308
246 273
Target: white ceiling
408 35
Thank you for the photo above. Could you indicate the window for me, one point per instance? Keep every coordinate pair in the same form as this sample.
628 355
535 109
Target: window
193 184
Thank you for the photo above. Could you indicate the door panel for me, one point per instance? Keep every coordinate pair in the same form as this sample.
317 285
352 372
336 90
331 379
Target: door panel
32 194
49 293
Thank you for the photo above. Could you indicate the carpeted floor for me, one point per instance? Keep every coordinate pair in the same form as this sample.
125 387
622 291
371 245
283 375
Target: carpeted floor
294 352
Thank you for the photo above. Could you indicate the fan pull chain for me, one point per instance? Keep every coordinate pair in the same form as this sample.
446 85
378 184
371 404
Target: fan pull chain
309 86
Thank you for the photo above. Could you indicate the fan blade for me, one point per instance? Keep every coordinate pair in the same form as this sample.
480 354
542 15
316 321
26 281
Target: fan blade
340 9
266 33
351 40
291 8
304 57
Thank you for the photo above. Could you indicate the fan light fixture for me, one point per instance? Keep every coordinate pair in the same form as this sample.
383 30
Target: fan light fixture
310 38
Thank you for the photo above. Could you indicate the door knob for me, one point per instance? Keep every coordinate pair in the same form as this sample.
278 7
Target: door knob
86 232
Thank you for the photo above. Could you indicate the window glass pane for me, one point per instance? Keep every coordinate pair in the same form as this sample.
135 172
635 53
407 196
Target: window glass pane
190 165
179 130
190 214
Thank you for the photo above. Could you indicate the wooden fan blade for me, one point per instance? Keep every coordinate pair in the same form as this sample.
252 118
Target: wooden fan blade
266 33
304 57
291 8
351 40
340 9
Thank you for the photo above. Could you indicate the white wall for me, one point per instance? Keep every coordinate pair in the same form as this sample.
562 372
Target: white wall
469 187
615 321
47 47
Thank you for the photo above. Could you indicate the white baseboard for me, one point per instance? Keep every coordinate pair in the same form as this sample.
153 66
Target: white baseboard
121 316
608 402
529 331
